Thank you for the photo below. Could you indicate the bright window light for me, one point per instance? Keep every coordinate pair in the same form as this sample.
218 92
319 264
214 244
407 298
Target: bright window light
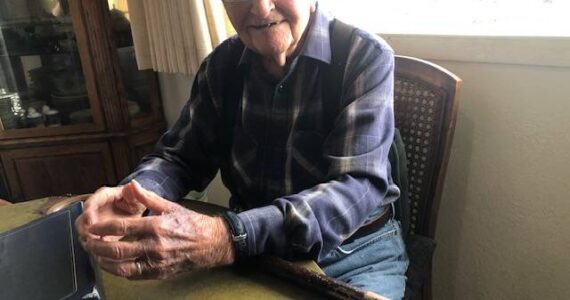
457 17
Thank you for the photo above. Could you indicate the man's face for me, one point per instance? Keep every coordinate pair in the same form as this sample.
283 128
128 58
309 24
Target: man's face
271 28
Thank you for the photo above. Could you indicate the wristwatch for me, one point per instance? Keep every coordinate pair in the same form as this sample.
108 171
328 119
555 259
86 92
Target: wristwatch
239 235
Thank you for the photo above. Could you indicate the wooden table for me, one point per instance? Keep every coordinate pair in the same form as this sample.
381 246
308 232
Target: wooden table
221 283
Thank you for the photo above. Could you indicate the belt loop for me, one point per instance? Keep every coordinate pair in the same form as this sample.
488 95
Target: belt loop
393 210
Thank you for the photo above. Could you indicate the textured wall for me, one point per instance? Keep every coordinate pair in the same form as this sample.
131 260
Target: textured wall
175 91
505 215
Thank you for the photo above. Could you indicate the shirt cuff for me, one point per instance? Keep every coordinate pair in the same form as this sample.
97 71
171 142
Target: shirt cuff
265 233
155 182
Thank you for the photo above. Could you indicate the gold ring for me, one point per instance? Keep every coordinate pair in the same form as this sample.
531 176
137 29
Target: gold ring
139 267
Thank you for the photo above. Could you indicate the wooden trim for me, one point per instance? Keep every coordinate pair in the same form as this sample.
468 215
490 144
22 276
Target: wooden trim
84 49
9 158
121 158
532 51
450 120
105 62
59 140
327 286
49 131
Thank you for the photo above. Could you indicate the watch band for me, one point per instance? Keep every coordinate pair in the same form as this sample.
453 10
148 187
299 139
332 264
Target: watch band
239 235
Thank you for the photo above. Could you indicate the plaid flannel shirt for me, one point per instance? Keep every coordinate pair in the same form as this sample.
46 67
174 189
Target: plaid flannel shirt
303 187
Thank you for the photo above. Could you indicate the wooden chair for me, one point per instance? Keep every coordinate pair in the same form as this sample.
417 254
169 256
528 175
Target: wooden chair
425 105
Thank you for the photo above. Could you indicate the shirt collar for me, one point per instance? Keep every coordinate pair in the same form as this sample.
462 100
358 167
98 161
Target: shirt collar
317 42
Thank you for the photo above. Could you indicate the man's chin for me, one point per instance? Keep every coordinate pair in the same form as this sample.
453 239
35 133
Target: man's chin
272 47
273 53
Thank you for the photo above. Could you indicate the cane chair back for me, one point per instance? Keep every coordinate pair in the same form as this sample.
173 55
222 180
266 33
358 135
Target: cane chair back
425 105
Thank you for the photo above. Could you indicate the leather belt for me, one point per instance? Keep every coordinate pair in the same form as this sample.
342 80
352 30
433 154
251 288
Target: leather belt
371 227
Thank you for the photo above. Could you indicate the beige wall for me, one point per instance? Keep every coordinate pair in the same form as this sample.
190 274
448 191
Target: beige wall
504 219
504 222
175 90
505 215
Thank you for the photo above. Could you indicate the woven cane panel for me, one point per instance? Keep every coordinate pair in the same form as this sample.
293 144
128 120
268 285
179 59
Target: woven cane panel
419 112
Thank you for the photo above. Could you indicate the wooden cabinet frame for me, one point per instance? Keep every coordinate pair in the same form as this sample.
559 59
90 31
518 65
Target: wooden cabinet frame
114 139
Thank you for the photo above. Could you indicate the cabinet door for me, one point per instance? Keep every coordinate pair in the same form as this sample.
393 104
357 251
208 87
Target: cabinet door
47 78
57 170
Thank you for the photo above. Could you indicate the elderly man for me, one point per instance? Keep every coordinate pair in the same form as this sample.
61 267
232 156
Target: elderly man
301 188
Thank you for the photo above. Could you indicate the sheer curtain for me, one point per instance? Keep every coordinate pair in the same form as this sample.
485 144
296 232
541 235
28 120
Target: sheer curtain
174 36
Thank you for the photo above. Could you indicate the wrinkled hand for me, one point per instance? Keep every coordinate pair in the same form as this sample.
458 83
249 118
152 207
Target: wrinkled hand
172 241
108 204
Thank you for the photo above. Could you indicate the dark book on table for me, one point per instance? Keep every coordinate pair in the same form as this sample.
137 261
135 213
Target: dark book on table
44 260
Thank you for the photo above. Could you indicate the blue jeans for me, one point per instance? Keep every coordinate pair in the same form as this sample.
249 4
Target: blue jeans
376 262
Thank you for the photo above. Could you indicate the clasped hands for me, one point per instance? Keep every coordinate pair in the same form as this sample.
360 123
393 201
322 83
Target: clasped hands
173 240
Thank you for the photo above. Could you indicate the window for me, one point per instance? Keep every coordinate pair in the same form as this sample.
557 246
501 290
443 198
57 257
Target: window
457 17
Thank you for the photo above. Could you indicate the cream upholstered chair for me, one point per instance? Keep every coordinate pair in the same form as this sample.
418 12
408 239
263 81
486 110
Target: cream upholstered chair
425 104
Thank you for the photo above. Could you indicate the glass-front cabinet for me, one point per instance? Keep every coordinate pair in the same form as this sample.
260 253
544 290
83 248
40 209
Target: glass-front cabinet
75 112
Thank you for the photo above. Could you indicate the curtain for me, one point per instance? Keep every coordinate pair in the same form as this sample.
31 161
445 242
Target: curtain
174 36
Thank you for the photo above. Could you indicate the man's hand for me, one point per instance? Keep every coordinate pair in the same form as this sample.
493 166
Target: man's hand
172 241
106 204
